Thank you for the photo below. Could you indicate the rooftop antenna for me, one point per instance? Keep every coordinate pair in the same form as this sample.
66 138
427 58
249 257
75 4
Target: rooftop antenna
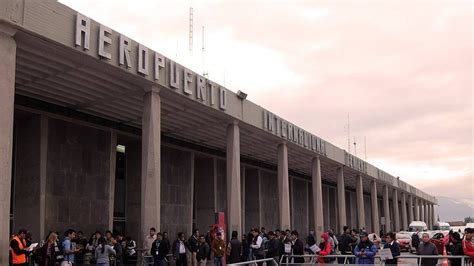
191 30
348 135
365 148
355 146
204 72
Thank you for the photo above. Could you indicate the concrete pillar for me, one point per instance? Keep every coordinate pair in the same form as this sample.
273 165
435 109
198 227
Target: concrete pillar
283 186
360 202
341 198
410 209
234 208
417 209
396 211
404 211
151 161
112 168
7 92
425 206
386 210
421 210
375 207
317 196
43 163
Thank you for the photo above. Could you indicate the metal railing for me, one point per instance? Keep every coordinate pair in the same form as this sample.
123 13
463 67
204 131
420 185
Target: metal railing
255 262
350 259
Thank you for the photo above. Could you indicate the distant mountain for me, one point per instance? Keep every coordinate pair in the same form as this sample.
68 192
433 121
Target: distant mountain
451 209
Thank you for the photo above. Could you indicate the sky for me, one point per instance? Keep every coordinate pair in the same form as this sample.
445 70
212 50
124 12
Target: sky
400 70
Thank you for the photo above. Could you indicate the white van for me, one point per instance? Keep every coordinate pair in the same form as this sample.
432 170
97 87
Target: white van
470 225
421 226
441 226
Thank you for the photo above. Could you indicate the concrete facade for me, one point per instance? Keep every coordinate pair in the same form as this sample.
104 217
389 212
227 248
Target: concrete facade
192 147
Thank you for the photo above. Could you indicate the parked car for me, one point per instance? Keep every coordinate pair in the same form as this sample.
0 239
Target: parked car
441 226
417 225
404 241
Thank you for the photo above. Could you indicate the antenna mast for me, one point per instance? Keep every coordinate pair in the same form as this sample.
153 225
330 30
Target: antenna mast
191 22
204 72
355 146
365 148
348 135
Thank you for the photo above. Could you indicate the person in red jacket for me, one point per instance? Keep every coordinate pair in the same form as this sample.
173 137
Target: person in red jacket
325 247
468 244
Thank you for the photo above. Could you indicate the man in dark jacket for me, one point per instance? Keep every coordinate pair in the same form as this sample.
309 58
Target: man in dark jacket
391 243
202 251
273 247
193 244
179 250
310 241
159 250
235 248
118 251
427 248
346 241
297 247
454 247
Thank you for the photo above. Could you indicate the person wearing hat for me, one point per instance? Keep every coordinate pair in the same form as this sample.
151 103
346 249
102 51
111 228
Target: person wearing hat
365 250
18 248
468 243
454 247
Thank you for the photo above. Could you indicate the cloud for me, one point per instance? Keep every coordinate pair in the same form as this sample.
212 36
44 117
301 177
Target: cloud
401 69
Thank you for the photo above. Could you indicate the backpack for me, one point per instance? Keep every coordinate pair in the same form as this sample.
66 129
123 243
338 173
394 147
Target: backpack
415 240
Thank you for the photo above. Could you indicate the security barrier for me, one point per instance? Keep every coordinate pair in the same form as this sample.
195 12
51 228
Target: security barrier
271 260
351 259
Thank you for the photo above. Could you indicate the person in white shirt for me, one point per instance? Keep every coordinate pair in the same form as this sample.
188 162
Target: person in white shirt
149 239
256 246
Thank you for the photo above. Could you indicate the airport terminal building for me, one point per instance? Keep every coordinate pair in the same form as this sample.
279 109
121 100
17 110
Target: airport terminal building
98 131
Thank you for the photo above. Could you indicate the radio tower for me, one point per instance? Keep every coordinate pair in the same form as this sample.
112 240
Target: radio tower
355 146
348 135
191 30
204 72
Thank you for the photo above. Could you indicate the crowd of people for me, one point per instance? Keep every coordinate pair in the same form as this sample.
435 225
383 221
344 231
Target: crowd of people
281 245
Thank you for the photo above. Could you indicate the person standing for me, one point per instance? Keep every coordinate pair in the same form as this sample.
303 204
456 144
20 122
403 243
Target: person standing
69 247
256 246
455 248
346 241
273 247
119 254
179 250
193 243
297 247
235 249
159 251
325 249
365 251
218 248
103 253
310 241
468 243
18 248
149 239
166 242
427 248
49 251
394 247
202 251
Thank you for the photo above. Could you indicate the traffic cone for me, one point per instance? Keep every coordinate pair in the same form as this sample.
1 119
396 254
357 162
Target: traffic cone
445 260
